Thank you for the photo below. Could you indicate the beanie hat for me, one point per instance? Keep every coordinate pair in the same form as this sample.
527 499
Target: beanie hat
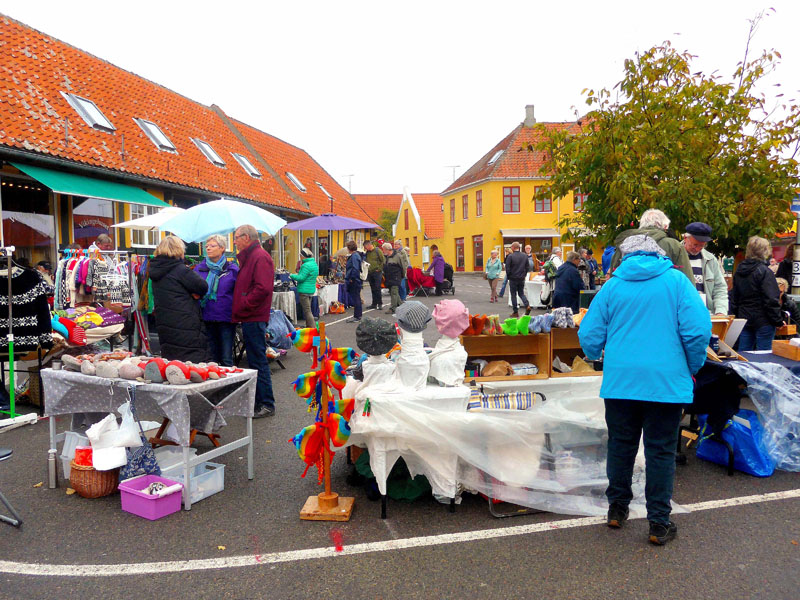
640 243
375 336
306 253
451 317
413 316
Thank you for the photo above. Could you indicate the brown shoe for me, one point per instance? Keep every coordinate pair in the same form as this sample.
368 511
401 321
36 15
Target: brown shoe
528 309
514 315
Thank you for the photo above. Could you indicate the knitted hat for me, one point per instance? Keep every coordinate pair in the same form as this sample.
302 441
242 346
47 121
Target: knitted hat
306 253
413 316
640 243
451 317
375 336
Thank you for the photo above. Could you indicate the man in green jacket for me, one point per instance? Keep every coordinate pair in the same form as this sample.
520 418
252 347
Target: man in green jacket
306 279
708 277
376 260
654 224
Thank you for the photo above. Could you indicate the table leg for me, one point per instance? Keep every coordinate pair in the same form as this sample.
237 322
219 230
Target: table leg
383 506
250 469
187 485
52 424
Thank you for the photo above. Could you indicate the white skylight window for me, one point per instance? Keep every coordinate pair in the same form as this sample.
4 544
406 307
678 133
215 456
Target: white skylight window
324 191
156 136
296 182
209 152
89 112
246 165
495 156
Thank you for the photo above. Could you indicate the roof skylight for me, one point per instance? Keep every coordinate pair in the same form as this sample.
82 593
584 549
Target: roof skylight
156 136
324 191
89 112
495 156
209 152
246 165
296 182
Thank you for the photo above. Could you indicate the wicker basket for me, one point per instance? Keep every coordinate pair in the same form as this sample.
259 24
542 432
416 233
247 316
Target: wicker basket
90 483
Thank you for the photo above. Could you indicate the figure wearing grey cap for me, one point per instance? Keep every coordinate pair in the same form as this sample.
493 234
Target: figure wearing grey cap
708 277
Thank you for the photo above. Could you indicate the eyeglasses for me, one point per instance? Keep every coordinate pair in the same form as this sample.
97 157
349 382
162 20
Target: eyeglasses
236 237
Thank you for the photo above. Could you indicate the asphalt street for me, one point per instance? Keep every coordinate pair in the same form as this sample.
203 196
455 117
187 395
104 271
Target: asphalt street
251 543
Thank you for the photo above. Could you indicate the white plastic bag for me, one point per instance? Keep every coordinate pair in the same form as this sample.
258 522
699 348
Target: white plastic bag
128 432
102 435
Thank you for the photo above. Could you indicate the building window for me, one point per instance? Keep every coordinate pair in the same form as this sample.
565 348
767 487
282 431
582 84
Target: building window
156 136
416 247
89 112
407 244
209 152
479 203
459 254
579 199
477 252
246 165
542 205
405 217
139 237
452 210
465 207
511 199
296 181
495 156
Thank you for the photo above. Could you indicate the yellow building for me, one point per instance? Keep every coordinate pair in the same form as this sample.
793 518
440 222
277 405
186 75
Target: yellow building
492 204
419 224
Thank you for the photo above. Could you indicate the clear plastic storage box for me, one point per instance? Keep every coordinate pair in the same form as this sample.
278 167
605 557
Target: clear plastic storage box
207 479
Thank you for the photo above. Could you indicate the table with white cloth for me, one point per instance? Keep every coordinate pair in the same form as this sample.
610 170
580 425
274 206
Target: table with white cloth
533 291
285 301
550 456
327 294
202 406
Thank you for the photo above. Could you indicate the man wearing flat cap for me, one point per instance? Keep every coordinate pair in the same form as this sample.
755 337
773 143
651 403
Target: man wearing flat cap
708 277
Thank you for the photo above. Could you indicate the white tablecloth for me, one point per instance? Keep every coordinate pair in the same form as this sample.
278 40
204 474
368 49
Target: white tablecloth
327 294
533 292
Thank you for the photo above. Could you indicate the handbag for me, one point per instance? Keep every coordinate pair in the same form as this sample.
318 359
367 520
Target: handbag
745 434
141 460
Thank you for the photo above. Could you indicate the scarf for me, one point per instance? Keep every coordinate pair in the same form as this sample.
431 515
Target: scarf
212 279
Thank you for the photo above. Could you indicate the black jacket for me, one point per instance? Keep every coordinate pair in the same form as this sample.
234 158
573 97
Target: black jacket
179 322
785 267
569 284
393 270
755 295
790 306
517 265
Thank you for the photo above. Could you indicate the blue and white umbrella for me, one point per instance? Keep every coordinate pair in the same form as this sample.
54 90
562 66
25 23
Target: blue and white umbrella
221 216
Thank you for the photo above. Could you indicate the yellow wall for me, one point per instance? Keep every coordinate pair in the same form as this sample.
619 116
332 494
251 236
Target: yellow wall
494 219
403 233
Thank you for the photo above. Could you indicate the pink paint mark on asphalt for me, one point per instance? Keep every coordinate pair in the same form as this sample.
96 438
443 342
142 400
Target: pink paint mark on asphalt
336 538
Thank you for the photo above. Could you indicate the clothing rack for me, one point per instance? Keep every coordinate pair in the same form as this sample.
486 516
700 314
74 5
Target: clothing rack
7 251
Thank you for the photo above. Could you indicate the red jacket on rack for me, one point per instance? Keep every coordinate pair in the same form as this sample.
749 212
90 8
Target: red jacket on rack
252 295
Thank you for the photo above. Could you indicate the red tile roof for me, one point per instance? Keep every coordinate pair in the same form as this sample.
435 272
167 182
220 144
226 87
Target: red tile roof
36 69
375 204
516 161
430 209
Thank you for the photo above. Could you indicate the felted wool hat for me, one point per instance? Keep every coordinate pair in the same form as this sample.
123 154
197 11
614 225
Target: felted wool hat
413 316
451 317
375 336
306 253
640 243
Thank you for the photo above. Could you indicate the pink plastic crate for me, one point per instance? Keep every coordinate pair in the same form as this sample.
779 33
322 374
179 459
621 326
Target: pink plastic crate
135 501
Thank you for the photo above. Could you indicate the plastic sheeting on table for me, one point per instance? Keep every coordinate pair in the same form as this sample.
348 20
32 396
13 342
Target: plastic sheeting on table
550 457
775 391
201 406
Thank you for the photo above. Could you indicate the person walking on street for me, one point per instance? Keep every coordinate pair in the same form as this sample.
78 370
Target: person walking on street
252 302
306 279
708 277
217 304
393 271
376 260
494 266
517 271
352 278
507 253
645 391
403 253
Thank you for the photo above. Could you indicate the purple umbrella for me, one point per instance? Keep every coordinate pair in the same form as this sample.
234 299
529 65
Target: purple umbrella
330 222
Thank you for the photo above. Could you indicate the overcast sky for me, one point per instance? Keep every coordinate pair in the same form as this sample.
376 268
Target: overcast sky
396 93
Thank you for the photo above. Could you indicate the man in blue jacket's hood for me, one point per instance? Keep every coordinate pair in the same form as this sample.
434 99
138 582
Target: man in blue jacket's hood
650 325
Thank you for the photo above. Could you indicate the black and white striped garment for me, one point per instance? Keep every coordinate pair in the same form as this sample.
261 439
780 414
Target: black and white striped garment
31 312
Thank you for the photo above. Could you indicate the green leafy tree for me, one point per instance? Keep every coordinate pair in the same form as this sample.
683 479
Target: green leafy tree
695 146
386 220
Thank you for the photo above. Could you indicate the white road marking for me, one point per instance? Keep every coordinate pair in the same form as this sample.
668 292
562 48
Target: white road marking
249 560
350 317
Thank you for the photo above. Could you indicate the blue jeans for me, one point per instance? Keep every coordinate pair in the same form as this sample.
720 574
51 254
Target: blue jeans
626 420
255 344
354 291
220 341
518 289
756 338
503 287
403 289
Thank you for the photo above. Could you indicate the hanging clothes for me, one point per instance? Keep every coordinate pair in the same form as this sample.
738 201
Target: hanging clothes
31 312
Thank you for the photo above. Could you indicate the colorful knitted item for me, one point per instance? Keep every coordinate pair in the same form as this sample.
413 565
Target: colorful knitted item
303 339
339 429
344 356
76 334
58 327
479 323
309 444
510 326
522 324
334 374
342 407
305 384
488 327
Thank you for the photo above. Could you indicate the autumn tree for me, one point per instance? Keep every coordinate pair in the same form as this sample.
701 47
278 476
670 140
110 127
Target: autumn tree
695 146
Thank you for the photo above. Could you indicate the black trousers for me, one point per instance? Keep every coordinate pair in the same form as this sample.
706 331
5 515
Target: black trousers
374 279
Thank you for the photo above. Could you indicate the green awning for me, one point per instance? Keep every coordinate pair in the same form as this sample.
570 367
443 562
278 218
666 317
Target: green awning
78 185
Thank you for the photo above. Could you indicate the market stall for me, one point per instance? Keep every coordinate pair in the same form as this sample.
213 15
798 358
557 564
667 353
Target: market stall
533 291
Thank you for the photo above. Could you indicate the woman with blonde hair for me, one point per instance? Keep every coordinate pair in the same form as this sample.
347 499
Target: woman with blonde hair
494 266
755 297
176 291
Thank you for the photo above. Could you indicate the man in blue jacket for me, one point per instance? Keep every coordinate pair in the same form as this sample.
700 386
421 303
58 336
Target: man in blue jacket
654 329
568 284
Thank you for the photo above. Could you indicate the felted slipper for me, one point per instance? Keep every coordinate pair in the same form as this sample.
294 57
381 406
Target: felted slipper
510 326
522 324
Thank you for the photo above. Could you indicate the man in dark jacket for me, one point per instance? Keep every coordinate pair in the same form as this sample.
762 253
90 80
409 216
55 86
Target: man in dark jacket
176 290
569 284
252 301
352 278
517 268
393 271
376 260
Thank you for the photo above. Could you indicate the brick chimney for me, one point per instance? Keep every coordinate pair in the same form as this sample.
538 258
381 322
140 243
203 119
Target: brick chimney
530 120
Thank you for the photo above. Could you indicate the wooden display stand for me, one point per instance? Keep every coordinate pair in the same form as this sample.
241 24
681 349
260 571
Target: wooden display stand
787 330
564 344
785 349
531 348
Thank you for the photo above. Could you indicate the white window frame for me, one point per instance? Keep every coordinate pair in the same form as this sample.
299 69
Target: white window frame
245 163
495 157
324 191
156 135
83 106
208 151
293 178
146 239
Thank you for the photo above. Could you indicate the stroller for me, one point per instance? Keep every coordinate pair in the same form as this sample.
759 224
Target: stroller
448 287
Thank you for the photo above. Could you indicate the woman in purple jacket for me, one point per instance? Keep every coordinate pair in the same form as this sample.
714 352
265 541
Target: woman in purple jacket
437 264
217 304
